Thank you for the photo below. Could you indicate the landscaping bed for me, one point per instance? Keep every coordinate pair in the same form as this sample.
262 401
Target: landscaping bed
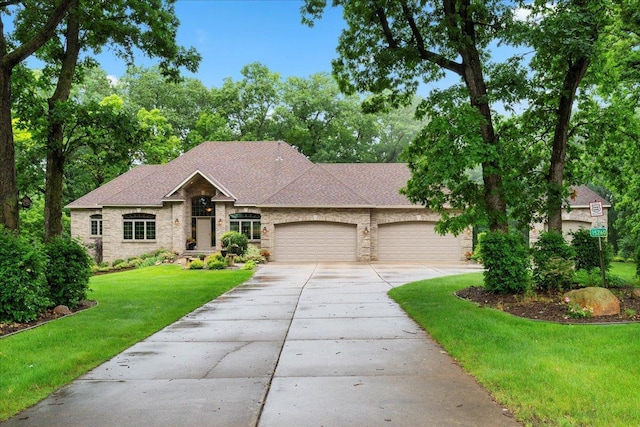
7 328
551 306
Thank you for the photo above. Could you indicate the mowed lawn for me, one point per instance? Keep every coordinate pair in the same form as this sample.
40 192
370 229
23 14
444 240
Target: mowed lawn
131 306
547 374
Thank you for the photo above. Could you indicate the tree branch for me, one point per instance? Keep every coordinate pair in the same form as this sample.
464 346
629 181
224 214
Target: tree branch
424 53
13 58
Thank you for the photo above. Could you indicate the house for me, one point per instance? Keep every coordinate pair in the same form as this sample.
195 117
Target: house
286 204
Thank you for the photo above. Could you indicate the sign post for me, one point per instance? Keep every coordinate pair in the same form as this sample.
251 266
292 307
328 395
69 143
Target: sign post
599 231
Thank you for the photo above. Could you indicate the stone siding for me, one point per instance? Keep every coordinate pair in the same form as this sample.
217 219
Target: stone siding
575 218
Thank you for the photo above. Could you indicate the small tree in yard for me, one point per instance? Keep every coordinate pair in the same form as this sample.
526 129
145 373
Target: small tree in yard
506 260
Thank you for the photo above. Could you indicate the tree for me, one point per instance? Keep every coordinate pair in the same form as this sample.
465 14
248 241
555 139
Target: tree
148 26
13 51
525 153
389 46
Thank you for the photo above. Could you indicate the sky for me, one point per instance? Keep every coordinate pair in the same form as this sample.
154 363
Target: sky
230 34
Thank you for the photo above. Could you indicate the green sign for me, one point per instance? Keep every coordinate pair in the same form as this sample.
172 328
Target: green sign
598 232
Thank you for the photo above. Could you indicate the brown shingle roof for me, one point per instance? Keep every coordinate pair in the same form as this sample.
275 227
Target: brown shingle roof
268 173
582 195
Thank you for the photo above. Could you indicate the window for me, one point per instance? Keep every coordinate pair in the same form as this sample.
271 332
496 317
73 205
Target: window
139 227
203 206
96 225
247 224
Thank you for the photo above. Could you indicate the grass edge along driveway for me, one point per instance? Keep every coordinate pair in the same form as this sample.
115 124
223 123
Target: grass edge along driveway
131 306
547 374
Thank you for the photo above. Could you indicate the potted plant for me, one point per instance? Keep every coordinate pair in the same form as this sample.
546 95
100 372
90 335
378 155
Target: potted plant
191 243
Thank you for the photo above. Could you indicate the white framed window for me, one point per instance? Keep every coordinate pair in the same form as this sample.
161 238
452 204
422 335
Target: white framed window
247 224
139 226
96 225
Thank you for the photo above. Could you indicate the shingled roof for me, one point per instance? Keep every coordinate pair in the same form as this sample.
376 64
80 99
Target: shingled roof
267 173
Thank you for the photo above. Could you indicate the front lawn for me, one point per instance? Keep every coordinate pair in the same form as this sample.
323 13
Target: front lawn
546 374
131 306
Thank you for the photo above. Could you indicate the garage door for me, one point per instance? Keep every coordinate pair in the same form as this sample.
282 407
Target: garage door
570 226
315 241
416 241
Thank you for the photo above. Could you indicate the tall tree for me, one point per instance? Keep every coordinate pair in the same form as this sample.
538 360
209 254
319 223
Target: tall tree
12 53
389 46
124 25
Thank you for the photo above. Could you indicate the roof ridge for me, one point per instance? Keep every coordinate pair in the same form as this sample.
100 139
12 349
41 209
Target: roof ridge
354 191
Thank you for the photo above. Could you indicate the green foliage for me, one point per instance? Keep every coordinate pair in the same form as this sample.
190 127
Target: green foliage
249 265
588 251
117 261
216 264
23 284
253 253
506 260
196 264
478 249
68 271
235 242
553 266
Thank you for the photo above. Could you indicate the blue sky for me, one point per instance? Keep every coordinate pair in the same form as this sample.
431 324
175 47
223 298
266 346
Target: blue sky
232 33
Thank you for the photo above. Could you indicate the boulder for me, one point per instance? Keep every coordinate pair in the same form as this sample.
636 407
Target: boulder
635 294
600 301
61 310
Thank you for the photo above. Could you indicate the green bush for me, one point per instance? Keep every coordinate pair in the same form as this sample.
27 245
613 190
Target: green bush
588 252
196 264
477 250
235 242
117 261
506 261
216 264
553 265
253 253
249 265
68 271
24 286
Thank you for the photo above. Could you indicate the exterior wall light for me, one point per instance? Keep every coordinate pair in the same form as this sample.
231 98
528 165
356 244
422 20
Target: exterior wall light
264 230
176 222
220 222
366 230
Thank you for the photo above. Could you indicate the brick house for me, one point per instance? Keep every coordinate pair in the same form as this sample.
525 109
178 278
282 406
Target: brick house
283 202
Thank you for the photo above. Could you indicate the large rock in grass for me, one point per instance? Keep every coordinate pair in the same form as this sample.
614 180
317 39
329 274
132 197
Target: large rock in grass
600 301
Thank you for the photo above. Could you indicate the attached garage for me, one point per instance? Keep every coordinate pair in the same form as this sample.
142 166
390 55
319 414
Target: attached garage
416 241
315 241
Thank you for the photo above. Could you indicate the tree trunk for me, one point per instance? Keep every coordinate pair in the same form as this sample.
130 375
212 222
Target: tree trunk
555 200
56 153
8 182
473 75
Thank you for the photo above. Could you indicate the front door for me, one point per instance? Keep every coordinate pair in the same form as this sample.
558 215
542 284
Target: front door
203 234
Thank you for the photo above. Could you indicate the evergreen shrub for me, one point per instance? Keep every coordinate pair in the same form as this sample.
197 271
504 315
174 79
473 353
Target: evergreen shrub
235 242
553 265
68 271
506 261
22 281
588 251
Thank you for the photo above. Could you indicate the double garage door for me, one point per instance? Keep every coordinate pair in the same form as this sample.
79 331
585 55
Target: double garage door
331 241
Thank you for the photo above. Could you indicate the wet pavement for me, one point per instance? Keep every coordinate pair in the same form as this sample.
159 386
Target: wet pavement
297 345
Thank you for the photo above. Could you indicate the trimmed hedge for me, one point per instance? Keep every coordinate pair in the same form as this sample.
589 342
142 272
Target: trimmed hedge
67 272
506 261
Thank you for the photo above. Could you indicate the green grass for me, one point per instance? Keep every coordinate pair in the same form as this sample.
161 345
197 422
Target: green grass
626 271
547 374
131 306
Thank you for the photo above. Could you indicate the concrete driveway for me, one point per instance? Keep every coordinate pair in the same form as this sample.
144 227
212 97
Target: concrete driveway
297 345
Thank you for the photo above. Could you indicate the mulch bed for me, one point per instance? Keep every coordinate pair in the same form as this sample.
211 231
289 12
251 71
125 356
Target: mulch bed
551 307
13 327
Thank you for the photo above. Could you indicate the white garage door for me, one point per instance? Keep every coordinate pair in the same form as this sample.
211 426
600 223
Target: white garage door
416 241
315 241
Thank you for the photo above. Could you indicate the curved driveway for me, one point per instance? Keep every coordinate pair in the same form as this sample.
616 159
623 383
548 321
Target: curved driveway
297 345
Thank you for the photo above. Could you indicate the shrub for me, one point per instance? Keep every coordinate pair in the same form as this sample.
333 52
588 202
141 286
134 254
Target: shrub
553 266
478 249
588 252
117 261
196 264
253 253
249 265
22 280
235 242
506 262
216 264
68 271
